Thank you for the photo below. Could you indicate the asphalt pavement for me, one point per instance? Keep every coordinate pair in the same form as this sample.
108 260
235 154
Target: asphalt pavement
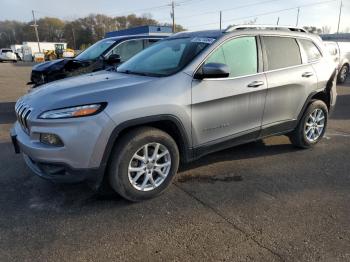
264 201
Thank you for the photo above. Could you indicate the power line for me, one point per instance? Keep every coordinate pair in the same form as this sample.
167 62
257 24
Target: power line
139 10
268 13
230 9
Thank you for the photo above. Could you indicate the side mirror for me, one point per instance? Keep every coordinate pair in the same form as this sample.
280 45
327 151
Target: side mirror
213 70
113 59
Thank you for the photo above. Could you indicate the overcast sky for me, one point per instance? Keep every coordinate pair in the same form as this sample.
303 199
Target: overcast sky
192 14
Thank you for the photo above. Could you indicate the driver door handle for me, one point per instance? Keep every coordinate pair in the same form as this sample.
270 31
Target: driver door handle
307 74
256 84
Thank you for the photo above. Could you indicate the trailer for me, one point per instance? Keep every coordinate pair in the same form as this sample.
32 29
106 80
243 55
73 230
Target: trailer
31 48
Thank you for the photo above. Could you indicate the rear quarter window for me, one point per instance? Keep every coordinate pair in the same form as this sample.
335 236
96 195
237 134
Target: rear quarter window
281 52
311 50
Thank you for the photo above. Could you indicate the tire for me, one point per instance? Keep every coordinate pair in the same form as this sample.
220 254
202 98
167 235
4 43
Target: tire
124 161
302 136
343 74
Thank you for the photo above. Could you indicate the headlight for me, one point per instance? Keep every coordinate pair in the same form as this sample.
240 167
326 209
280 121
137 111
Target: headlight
70 112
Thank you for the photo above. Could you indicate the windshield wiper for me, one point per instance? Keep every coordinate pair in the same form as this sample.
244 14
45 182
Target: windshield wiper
129 72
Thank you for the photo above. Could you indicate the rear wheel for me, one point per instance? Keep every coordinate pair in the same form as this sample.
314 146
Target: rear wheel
312 125
143 164
343 74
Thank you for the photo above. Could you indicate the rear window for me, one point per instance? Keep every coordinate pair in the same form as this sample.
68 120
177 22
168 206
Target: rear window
281 52
7 50
311 50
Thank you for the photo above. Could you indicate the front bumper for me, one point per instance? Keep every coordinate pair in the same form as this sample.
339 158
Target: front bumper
80 159
60 173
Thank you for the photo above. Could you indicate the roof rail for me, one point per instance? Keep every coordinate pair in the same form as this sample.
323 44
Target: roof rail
263 27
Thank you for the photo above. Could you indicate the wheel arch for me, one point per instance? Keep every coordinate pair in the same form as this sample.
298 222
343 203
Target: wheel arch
167 123
324 95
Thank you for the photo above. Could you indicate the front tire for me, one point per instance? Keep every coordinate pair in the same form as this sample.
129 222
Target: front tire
144 162
312 126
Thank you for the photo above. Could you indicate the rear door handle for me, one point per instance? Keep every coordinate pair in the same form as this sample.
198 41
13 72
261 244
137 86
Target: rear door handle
256 84
307 74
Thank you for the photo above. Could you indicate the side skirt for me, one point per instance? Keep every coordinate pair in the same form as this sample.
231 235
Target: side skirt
236 140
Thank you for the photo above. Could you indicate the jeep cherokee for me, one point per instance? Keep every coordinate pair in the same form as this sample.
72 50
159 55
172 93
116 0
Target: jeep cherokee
186 96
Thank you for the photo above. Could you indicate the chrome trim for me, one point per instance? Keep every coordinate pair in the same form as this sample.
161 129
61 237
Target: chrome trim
129 40
263 72
23 112
262 27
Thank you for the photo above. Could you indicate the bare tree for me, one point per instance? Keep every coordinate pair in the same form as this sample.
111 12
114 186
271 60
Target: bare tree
326 29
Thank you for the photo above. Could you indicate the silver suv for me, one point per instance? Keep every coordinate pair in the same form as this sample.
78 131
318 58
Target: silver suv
185 96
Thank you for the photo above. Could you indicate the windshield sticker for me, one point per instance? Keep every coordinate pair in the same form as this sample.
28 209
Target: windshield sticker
205 40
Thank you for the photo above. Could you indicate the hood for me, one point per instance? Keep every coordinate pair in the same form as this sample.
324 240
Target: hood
51 65
84 89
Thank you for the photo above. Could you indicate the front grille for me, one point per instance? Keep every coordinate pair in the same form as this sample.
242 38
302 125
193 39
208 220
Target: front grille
22 112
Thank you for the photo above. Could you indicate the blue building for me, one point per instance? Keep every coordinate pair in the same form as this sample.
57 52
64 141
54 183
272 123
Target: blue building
144 30
343 37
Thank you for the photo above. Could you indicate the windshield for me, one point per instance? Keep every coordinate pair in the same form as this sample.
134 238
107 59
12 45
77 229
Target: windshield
166 57
96 50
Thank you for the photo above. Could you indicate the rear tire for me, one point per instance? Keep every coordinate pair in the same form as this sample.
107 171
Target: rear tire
143 164
343 74
312 125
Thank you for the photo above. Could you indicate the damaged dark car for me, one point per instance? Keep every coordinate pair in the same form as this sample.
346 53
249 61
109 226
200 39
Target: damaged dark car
109 52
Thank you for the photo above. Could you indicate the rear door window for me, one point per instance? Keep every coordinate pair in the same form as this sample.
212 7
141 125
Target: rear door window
311 51
239 54
281 52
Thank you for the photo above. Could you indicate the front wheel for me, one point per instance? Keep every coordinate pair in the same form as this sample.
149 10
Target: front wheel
312 125
343 74
143 163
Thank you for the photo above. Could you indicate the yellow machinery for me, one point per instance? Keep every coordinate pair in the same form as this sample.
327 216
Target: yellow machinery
59 52
50 55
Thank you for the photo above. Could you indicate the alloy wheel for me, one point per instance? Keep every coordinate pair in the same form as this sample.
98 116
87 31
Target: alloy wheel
149 167
343 73
314 125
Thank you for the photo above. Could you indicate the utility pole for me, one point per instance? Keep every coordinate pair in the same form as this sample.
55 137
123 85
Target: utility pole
220 20
341 7
73 33
298 16
36 30
278 20
173 14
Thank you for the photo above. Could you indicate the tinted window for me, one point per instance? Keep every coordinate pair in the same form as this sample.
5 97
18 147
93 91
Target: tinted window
281 52
239 54
7 50
128 49
96 50
166 57
311 51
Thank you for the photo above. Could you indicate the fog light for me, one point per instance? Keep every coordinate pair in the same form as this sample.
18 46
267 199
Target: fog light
50 139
